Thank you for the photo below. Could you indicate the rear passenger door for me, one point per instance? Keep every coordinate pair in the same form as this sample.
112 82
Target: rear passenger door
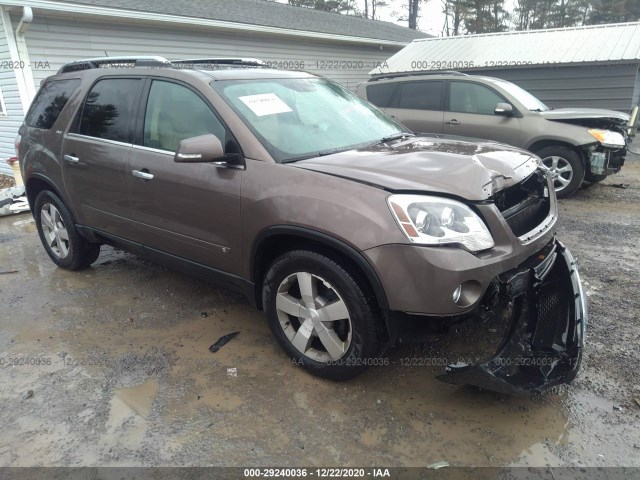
471 113
190 210
96 152
418 105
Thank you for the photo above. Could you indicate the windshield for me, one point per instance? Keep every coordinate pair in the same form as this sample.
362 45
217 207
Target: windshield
302 118
525 98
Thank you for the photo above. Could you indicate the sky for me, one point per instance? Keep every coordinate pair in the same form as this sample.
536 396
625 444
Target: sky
431 18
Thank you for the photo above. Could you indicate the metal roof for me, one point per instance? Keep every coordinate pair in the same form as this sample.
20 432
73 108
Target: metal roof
263 13
577 45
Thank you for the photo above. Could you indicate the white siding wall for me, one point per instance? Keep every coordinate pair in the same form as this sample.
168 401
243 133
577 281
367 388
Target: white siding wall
59 40
10 122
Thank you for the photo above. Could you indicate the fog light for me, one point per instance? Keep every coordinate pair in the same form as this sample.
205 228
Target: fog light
456 294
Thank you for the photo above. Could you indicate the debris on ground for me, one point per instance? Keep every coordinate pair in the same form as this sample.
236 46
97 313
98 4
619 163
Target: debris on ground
617 185
13 200
8 271
637 400
232 372
437 465
28 394
222 341
7 181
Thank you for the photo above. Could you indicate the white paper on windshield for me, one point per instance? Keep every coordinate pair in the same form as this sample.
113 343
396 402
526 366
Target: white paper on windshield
265 104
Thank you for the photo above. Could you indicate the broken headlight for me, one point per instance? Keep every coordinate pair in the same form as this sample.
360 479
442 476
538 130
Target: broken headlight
607 138
429 220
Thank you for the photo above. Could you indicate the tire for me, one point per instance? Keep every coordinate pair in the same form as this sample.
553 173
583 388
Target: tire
54 223
354 336
566 166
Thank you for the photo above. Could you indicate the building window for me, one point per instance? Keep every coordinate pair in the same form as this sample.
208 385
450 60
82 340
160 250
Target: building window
3 108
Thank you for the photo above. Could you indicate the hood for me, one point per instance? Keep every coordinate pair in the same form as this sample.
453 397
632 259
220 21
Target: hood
577 114
473 171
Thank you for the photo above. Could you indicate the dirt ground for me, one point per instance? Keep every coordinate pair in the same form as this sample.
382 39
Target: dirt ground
114 370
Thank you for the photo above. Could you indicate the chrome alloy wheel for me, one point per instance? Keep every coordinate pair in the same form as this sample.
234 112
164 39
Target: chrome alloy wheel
55 232
314 317
560 170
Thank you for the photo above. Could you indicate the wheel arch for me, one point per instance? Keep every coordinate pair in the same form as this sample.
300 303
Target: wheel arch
540 144
274 241
36 184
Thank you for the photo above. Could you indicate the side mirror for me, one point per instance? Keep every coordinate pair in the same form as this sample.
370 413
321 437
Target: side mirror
205 149
503 109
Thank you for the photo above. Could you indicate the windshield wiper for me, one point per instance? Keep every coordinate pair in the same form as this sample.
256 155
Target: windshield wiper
315 155
396 136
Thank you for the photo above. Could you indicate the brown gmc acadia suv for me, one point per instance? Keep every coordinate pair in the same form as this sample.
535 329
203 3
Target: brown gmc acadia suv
325 212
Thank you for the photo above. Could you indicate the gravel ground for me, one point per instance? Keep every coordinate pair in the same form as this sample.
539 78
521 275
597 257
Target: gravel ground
113 368
6 181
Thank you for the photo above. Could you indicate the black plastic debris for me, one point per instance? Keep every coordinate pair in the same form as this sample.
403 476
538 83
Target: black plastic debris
222 341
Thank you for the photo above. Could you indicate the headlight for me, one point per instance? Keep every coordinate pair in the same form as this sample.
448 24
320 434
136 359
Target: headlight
439 221
607 138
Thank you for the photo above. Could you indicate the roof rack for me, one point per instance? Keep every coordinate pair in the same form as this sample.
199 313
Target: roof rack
156 61
203 62
122 62
381 76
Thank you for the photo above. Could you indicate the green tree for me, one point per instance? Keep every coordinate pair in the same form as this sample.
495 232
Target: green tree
485 16
454 16
613 11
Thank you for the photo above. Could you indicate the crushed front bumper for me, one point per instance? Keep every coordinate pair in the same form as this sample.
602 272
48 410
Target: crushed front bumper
546 306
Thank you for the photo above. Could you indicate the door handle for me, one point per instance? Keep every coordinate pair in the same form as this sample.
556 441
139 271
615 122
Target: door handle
145 175
71 159
453 121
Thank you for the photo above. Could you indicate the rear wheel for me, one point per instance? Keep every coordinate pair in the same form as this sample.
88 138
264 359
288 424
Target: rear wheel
59 236
565 167
321 315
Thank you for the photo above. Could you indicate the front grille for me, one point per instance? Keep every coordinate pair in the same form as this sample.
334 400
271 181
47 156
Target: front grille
524 206
553 308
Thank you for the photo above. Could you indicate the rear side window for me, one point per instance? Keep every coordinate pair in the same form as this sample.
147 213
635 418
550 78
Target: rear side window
49 102
107 109
380 94
419 96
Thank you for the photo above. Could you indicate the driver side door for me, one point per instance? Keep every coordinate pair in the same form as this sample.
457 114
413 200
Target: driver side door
471 113
187 210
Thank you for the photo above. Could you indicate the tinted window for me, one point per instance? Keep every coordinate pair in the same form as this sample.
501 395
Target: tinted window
174 113
467 97
380 94
107 109
49 102
419 96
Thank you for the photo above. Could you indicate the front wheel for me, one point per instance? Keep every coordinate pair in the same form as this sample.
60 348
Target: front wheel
322 315
60 238
565 167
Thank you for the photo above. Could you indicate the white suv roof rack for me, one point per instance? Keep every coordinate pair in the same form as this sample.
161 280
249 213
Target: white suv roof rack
157 61
104 62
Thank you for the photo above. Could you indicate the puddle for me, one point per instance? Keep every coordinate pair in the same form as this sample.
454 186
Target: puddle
139 398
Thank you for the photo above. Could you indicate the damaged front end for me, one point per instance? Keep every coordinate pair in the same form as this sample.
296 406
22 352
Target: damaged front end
545 305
